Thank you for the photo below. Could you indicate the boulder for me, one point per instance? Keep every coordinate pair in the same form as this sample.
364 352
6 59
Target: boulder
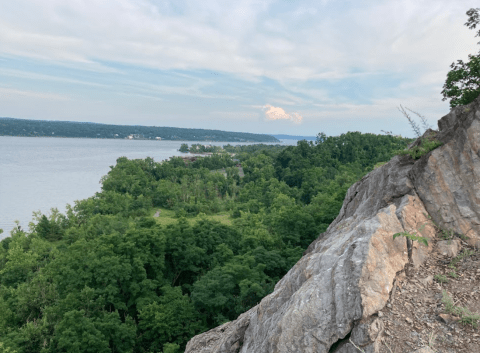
449 248
329 300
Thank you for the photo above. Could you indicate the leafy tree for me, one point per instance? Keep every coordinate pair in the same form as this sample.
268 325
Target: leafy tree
466 74
227 291
172 318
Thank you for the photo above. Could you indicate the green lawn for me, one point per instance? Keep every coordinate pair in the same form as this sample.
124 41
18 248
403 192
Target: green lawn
167 217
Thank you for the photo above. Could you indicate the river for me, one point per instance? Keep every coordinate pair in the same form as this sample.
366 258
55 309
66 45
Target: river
37 174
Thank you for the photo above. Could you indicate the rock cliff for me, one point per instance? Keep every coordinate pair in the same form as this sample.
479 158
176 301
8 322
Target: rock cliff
332 296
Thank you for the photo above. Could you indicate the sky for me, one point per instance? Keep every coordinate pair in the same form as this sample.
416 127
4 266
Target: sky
277 67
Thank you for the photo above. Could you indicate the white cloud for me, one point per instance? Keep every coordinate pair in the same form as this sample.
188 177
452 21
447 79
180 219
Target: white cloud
42 77
229 36
277 113
256 41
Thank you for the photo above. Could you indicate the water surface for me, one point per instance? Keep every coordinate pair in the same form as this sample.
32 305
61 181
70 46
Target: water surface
37 173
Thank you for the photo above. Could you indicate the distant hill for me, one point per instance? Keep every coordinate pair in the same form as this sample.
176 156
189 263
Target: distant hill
293 137
24 127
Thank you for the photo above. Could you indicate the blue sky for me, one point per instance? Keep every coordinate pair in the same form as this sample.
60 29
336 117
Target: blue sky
287 67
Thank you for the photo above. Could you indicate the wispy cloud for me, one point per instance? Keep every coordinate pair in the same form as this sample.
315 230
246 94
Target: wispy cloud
12 93
193 59
43 77
277 113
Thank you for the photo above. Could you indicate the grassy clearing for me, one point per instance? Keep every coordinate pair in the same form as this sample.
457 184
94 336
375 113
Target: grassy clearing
167 217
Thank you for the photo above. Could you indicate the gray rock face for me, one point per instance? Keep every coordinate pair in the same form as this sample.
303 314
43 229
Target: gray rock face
448 181
227 338
345 277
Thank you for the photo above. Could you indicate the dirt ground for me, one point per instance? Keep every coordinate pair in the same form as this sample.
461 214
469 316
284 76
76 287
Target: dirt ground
417 314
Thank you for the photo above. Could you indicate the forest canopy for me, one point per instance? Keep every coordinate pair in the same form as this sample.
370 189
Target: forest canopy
108 276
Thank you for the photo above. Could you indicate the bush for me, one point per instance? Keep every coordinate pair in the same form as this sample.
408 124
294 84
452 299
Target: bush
418 151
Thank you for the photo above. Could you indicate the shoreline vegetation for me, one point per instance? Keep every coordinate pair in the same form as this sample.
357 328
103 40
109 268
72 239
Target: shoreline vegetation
167 250
46 128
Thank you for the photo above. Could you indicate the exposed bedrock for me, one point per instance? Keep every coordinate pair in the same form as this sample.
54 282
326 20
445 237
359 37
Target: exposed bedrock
345 277
448 181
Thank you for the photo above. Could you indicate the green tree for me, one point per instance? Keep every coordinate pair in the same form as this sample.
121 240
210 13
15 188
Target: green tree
463 82
184 148
78 333
172 318
227 291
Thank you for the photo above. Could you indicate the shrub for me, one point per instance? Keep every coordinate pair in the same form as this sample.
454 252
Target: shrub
425 146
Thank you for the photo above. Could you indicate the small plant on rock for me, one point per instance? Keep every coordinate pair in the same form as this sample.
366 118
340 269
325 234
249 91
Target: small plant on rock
413 237
431 339
453 274
441 278
466 253
417 151
446 234
426 145
466 316
379 164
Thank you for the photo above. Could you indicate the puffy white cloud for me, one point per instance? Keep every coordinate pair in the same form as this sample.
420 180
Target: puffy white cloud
277 113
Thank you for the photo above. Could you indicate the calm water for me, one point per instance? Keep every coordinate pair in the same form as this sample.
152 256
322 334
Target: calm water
37 174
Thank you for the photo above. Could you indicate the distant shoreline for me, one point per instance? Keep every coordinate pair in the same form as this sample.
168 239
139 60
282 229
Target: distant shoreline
70 129
126 139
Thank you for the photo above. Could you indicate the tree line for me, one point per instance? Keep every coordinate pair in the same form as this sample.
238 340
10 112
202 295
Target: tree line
45 128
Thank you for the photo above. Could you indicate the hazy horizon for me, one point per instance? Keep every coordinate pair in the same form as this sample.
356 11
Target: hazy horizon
268 67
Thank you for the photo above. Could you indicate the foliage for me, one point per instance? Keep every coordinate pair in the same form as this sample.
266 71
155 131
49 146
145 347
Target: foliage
426 144
417 151
412 237
199 148
441 278
107 276
379 164
453 274
463 82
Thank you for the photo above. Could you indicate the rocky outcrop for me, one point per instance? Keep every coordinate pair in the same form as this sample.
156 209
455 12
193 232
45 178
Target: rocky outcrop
328 301
448 179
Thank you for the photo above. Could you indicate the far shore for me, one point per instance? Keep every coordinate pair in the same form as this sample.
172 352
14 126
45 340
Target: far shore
126 139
